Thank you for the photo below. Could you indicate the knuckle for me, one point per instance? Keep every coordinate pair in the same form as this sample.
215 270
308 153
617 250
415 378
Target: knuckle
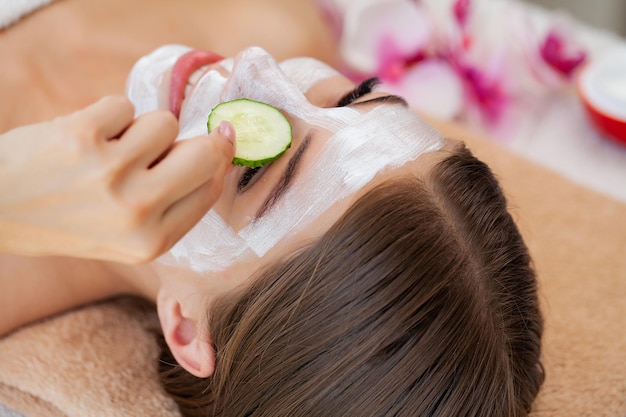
79 139
138 212
215 157
108 171
214 190
153 246
223 149
166 116
159 246
120 102
134 213
210 193
163 121
75 134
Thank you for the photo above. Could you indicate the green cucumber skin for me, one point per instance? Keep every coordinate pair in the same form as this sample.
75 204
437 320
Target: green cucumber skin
247 162
257 163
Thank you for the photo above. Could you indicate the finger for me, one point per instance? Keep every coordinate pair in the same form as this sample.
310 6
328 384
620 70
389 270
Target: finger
110 116
180 217
148 138
192 163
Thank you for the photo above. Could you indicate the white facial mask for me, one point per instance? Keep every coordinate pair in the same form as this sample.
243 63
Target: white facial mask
148 83
305 72
361 145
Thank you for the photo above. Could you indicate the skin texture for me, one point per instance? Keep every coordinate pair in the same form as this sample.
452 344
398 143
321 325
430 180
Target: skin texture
184 295
181 296
69 55
66 57
102 40
188 303
98 183
443 222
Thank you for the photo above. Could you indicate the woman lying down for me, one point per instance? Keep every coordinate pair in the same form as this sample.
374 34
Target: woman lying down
371 270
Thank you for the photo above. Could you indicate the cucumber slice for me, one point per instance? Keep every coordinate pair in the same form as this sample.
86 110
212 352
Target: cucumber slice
263 133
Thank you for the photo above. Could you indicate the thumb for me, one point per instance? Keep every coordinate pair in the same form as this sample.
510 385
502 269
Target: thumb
226 134
197 162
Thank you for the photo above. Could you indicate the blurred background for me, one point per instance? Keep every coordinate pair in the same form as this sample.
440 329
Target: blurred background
605 14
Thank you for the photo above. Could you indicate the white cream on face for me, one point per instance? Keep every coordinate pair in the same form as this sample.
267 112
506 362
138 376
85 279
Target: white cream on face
305 72
148 82
360 146
384 138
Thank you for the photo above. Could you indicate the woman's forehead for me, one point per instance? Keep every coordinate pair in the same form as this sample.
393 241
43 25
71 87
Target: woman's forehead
306 72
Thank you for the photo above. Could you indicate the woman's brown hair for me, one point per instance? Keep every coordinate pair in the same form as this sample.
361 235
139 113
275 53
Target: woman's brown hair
419 301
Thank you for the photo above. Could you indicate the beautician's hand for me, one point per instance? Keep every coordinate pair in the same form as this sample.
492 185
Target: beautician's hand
100 184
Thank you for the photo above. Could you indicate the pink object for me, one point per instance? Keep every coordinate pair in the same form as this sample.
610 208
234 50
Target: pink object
462 10
602 88
381 35
186 65
432 87
556 52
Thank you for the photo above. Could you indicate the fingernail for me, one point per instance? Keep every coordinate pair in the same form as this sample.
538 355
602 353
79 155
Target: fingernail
227 130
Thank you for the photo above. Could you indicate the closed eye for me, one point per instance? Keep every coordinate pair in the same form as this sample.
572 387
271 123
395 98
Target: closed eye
359 91
250 177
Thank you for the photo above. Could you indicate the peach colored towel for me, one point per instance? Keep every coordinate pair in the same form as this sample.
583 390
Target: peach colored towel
101 360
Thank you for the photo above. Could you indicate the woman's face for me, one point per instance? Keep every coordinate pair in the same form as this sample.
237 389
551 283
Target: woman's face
345 138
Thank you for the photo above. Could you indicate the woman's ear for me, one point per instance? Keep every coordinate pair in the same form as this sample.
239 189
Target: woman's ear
187 339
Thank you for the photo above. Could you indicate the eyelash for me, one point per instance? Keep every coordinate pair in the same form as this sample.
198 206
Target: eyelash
251 175
359 91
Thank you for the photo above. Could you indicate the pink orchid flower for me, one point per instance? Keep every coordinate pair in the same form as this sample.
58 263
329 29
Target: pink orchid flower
391 39
378 35
454 59
561 54
462 11
485 89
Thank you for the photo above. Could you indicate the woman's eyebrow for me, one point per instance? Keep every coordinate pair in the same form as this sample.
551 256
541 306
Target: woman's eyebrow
388 99
286 178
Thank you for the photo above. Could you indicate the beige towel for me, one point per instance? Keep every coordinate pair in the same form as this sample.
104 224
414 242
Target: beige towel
98 361
101 361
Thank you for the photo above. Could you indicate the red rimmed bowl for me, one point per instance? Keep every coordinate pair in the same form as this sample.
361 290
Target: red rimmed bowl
602 89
